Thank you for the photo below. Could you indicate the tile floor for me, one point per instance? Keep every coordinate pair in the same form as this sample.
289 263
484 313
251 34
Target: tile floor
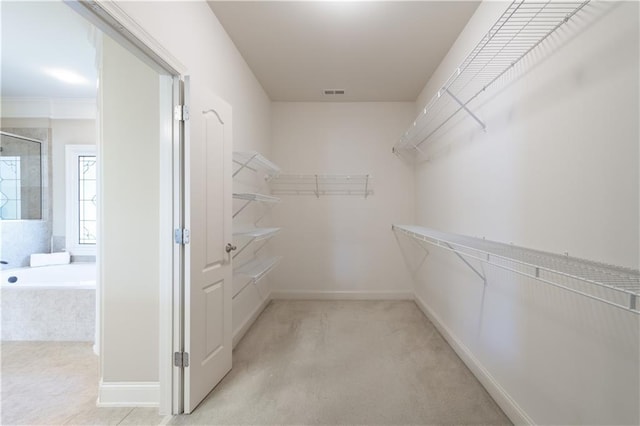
302 362
56 383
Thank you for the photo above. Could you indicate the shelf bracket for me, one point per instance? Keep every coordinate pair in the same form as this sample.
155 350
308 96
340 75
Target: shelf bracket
464 107
317 189
426 252
250 281
633 302
242 248
245 164
255 252
262 215
241 208
478 273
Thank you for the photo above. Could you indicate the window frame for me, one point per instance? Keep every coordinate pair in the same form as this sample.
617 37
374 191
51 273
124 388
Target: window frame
18 193
72 176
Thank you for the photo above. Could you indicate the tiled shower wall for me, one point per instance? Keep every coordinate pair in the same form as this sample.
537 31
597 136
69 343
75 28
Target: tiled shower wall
21 238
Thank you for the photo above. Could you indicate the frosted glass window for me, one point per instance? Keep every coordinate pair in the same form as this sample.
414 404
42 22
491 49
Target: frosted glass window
10 188
87 208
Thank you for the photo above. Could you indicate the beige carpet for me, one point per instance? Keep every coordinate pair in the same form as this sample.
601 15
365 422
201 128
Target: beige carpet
346 362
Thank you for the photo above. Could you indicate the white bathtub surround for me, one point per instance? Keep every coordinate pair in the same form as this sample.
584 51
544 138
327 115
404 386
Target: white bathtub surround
45 259
83 259
50 303
48 314
71 276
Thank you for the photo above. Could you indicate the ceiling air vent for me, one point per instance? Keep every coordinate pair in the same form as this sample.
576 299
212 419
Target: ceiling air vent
333 91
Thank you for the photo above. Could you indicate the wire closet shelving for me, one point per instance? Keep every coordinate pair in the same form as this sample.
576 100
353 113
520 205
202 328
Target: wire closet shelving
519 30
314 184
256 162
255 270
250 197
252 235
613 285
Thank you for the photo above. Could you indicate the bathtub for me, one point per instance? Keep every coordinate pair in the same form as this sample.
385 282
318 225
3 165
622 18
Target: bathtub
49 303
71 276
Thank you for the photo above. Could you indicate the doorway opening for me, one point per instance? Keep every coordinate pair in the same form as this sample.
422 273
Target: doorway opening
85 195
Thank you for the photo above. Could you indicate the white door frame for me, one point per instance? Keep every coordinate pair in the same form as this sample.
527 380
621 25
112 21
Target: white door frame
112 20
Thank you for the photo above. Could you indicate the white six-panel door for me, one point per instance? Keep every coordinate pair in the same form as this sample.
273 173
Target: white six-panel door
208 288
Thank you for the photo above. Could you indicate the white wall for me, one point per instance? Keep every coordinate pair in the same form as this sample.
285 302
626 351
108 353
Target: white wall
339 243
129 213
191 32
557 170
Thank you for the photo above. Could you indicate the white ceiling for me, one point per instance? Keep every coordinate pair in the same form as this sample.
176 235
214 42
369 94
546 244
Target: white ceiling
374 50
45 35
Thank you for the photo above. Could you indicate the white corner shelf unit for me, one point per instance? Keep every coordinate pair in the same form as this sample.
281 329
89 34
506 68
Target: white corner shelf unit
521 28
255 270
322 184
255 162
614 285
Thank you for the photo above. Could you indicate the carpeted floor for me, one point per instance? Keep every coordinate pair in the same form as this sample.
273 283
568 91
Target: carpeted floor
346 362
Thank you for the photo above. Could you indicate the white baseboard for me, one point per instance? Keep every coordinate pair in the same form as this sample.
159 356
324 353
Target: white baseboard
341 295
239 333
510 407
128 394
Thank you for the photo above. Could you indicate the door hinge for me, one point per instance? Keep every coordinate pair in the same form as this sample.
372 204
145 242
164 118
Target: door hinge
181 112
181 236
181 359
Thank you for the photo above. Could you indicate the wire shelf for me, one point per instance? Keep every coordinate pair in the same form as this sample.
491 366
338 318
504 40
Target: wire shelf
314 184
519 30
253 234
249 196
256 234
613 285
256 270
254 161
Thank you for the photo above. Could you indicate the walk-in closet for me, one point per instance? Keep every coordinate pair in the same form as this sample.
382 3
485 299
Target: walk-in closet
362 212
